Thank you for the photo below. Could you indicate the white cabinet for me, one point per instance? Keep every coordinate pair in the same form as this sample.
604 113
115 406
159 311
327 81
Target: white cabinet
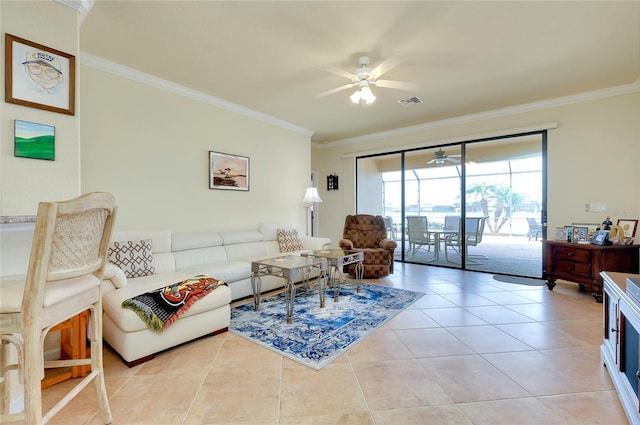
621 344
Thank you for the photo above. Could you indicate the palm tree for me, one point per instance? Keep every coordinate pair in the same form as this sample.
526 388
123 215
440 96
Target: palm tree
484 192
506 200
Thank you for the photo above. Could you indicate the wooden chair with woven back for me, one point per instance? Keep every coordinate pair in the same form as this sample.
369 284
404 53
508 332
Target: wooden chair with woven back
68 255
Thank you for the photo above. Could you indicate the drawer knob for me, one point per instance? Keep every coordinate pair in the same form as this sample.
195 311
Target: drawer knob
570 254
572 267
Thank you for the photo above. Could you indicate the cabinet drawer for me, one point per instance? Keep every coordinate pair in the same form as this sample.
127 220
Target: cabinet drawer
572 254
573 268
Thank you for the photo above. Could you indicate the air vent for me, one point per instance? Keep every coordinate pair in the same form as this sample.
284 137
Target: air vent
415 100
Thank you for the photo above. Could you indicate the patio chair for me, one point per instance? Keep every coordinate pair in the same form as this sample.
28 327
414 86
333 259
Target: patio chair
474 230
535 228
63 279
368 233
418 230
391 230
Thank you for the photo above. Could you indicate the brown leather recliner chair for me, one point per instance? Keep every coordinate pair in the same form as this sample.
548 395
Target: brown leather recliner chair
368 233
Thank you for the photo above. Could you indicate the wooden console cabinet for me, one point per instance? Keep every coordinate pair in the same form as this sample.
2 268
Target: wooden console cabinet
582 263
620 347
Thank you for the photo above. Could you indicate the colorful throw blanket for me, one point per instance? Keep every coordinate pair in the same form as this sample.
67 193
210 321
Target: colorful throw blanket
158 309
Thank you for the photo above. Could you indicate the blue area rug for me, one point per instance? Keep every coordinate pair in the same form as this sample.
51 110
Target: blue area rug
319 335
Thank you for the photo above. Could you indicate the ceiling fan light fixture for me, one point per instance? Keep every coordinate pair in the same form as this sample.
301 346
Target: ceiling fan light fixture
363 95
367 95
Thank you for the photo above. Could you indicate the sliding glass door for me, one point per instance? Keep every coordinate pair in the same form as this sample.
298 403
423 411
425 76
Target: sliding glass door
476 205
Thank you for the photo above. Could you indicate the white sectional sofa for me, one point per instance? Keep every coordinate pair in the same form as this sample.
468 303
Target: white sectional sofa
225 256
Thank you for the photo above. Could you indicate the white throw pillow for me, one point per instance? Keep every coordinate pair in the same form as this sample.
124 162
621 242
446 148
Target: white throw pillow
288 240
135 258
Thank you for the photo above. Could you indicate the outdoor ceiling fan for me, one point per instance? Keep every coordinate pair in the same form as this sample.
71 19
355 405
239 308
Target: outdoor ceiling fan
441 157
364 77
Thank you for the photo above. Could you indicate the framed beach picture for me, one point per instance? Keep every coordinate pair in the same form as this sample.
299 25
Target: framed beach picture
580 234
39 76
228 172
591 228
629 226
33 140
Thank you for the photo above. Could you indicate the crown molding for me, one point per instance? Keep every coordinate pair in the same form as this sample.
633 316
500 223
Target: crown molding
150 80
81 6
528 107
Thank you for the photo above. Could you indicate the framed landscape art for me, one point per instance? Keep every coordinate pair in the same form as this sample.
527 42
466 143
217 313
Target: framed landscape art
39 76
228 172
33 140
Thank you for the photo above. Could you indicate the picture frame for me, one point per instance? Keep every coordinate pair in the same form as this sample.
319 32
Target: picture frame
38 76
569 230
332 182
561 234
591 228
601 237
228 172
629 226
580 234
33 140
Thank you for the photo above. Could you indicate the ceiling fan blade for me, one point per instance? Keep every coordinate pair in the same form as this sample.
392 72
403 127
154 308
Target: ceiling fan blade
336 90
431 162
340 72
452 160
400 85
387 65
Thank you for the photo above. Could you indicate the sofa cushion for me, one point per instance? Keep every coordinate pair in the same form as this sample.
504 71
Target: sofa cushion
194 240
227 271
134 258
160 239
270 230
288 240
129 321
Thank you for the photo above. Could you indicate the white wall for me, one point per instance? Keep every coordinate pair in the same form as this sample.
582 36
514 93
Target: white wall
23 181
593 156
150 148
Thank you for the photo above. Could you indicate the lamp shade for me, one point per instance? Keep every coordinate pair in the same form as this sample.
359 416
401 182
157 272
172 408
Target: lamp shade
311 196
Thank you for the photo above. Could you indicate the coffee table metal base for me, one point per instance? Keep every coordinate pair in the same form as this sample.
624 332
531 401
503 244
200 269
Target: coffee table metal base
289 268
337 259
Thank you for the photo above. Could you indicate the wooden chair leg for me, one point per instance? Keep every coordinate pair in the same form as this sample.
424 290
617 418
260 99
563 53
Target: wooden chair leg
5 397
97 366
32 374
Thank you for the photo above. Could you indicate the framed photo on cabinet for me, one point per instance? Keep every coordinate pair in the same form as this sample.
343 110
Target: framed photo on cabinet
629 227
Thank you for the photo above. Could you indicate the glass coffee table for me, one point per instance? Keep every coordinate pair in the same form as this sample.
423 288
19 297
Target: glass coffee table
338 258
290 268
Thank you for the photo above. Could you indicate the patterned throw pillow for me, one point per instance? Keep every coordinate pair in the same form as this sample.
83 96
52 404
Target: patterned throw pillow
288 240
133 257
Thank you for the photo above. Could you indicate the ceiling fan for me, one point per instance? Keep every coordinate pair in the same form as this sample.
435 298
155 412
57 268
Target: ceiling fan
440 157
364 77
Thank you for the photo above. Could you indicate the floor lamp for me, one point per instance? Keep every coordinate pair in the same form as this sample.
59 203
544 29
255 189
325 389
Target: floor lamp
310 197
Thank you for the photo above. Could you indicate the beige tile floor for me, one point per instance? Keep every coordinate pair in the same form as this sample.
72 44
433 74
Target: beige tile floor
471 351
